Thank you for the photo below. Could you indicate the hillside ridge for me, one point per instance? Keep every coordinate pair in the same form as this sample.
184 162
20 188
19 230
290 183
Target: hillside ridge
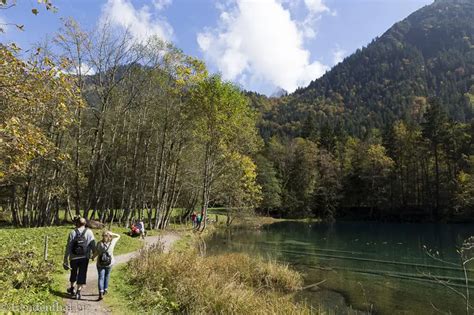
429 54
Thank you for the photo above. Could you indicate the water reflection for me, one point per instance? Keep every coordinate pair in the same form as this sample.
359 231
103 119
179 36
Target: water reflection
377 264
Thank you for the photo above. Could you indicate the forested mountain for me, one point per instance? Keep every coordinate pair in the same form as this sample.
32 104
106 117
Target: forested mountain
387 133
429 54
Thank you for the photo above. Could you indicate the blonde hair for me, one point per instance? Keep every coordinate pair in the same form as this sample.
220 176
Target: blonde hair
107 236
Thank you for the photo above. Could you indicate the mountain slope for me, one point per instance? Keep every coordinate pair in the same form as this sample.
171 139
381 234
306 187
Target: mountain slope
429 54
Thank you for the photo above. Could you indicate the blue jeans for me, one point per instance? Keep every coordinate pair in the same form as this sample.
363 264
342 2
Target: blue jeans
104 276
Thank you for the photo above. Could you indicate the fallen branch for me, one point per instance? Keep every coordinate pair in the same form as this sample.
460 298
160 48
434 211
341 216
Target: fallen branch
313 285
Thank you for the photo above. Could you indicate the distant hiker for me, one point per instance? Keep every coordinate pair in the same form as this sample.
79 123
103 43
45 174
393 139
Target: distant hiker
80 245
198 221
105 259
194 219
141 227
134 230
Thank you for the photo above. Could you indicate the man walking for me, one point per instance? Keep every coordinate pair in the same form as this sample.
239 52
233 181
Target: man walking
79 248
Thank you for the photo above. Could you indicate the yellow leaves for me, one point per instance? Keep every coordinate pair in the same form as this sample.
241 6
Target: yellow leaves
470 97
14 48
34 100
465 190
463 178
239 182
64 156
351 152
400 130
62 106
48 62
14 120
378 159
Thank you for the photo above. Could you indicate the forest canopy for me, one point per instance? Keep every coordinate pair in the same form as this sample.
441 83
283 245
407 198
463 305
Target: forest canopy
148 132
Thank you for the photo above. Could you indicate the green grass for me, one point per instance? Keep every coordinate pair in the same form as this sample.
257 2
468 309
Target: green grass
25 277
120 291
184 243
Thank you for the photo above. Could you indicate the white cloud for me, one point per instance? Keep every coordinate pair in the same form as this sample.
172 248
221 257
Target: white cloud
161 4
259 41
84 69
3 25
307 26
316 6
140 22
338 55
315 9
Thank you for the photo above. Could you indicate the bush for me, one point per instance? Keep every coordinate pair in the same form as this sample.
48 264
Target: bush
25 278
232 283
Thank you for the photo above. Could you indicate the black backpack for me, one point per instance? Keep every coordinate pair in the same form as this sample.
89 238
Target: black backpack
105 259
79 243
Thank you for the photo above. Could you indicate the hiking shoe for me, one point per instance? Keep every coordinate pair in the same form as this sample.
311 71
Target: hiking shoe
101 296
105 291
71 291
78 295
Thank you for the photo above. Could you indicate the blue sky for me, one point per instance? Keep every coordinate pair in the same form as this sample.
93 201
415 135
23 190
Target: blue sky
259 44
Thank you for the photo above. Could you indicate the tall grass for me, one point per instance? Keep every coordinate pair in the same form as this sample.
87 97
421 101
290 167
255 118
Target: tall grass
256 273
226 284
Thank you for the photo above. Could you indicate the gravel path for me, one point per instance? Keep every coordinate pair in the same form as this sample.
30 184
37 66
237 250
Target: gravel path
89 304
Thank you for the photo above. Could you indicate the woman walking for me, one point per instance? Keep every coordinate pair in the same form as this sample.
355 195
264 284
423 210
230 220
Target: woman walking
105 259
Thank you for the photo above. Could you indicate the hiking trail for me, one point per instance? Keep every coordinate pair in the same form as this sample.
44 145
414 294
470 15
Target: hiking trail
89 304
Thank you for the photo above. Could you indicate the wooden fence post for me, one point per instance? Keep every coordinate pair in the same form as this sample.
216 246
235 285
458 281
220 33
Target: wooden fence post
46 247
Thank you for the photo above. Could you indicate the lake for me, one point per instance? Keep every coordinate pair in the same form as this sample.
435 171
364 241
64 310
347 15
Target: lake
379 267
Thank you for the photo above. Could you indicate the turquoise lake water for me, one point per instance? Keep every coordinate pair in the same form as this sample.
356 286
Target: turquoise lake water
379 267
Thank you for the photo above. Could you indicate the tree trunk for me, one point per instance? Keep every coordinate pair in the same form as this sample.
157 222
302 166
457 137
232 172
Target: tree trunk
14 208
436 212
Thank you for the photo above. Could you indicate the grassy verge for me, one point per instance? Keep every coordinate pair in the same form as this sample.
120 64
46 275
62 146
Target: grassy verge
185 243
184 282
120 296
219 219
26 278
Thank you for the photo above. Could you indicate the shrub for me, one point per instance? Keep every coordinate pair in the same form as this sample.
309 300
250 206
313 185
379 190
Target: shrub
25 278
